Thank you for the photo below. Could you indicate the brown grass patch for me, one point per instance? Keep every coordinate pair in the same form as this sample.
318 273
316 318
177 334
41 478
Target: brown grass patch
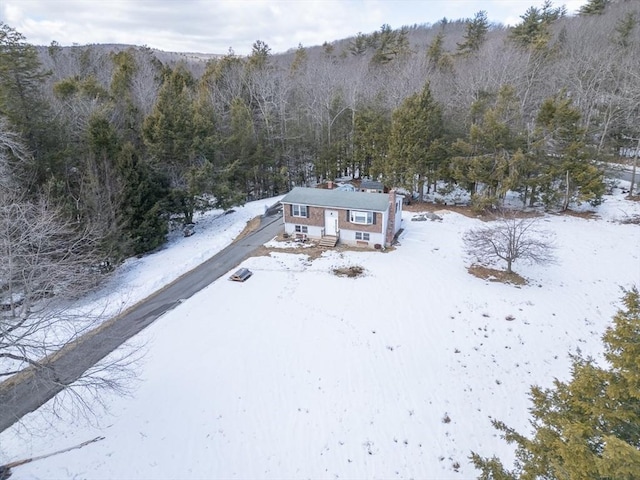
352 271
494 275
635 220
252 225
572 213
466 210
311 248
312 252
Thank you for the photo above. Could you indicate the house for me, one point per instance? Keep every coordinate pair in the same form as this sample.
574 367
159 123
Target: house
354 218
371 186
346 187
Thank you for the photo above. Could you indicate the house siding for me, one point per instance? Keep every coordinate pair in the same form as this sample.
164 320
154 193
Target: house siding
381 232
349 237
345 224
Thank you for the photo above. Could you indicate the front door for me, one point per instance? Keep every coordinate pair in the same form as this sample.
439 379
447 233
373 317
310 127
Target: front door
331 223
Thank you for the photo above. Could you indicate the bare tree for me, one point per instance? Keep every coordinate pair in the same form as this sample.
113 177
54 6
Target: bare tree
509 238
47 263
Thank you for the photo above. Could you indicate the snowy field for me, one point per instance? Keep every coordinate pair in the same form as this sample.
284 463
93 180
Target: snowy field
298 373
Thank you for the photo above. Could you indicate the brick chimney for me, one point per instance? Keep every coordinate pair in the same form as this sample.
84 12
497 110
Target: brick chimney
392 217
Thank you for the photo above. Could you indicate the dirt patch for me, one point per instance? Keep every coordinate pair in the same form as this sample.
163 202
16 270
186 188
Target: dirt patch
494 275
572 213
465 210
352 271
311 248
631 220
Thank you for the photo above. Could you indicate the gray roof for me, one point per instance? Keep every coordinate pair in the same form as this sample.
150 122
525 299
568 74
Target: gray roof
372 184
318 197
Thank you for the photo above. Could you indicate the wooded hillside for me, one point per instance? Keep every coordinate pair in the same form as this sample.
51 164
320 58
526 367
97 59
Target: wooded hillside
123 139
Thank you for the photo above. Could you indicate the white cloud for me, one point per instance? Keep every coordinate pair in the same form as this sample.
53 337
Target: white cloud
214 26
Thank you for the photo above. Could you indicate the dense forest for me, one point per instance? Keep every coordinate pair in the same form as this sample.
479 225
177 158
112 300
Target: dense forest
120 141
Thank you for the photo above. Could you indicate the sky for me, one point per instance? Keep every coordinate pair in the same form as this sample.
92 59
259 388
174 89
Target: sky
215 26
299 373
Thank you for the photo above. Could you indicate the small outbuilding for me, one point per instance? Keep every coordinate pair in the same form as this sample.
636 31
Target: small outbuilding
370 186
241 275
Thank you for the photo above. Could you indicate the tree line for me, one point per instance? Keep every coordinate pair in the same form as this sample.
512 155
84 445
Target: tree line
123 140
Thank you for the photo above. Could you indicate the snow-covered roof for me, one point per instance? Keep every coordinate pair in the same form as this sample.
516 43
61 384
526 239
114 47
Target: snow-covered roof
318 197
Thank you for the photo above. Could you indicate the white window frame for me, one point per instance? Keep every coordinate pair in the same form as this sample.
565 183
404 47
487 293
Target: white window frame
299 210
363 236
360 217
302 229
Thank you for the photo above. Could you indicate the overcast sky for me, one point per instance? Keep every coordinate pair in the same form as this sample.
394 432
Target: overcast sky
214 26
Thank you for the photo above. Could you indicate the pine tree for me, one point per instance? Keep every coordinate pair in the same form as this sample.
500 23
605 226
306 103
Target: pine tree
534 29
594 7
370 140
22 102
492 154
589 427
567 174
476 33
144 191
415 141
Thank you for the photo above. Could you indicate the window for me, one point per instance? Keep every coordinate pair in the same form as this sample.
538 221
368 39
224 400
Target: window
299 210
363 218
302 229
362 236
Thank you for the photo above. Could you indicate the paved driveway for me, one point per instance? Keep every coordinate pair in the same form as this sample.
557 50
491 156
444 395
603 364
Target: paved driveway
39 386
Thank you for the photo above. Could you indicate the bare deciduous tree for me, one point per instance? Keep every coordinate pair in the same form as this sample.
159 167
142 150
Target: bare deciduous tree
46 263
509 238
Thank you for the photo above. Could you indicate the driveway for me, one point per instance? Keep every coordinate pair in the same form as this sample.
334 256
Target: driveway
17 398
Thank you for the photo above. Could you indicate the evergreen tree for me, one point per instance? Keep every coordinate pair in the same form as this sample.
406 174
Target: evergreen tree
22 103
389 44
589 427
624 28
594 7
144 191
180 138
437 58
567 173
415 141
259 57
358 46
168 130
101 182
534 30
300 60
372 125
475 34
492 155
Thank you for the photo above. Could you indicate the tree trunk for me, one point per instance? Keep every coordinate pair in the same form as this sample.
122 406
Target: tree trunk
633 173
565 203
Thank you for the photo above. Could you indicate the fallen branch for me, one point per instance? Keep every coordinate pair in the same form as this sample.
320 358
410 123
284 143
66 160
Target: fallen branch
5 470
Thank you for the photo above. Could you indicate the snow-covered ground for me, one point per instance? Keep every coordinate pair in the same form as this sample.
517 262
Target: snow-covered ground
299 373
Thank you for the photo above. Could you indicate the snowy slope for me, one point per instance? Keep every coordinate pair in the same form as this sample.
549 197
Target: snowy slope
299 373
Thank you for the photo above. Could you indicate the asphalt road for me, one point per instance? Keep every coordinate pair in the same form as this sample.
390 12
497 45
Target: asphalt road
622 173
35 388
